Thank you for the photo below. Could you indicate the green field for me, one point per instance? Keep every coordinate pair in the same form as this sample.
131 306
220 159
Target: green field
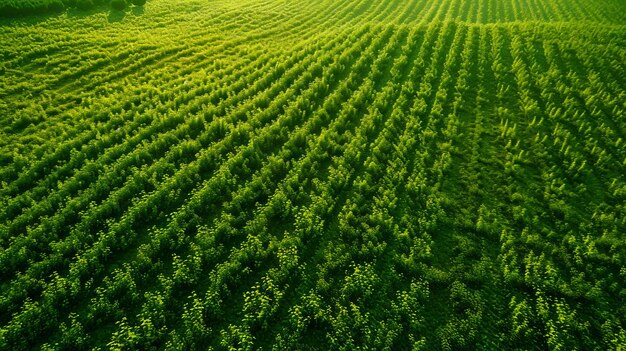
314 175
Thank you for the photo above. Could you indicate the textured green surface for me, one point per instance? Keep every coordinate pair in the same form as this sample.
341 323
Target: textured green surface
304 175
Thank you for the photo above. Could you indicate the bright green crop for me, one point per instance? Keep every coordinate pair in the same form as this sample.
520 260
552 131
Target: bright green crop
313 175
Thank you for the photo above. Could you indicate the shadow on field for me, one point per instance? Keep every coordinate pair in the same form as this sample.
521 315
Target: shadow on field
80 13
116 16
137 10
35 18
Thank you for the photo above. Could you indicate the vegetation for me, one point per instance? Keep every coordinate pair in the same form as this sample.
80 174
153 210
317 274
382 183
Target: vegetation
304 175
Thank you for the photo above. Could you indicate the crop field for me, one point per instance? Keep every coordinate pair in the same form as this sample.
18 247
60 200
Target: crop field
313 175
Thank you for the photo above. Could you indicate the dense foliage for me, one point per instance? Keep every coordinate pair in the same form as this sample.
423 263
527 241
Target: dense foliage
299 175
